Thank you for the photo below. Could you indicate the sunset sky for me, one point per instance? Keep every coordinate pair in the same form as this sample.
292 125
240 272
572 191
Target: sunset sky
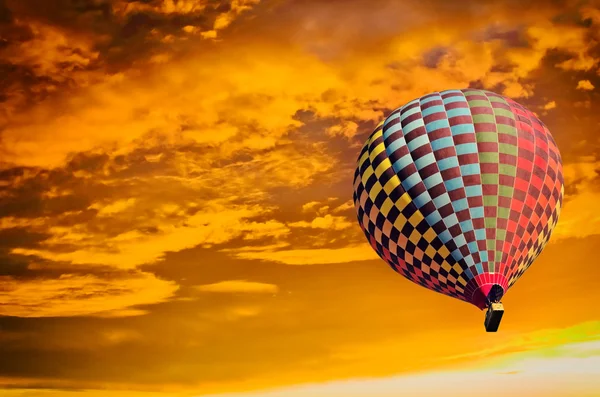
176 212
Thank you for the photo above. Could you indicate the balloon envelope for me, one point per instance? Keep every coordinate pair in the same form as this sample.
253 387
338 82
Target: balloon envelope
459 191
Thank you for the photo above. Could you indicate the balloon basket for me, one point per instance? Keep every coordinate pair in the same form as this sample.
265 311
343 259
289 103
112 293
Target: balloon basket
493 317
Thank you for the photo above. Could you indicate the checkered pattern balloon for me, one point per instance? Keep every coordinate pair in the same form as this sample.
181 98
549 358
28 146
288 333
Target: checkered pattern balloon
459 192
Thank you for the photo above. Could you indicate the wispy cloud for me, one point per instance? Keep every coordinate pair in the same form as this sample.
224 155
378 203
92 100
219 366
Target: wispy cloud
233 286
328 222
361 252
72 295
579 217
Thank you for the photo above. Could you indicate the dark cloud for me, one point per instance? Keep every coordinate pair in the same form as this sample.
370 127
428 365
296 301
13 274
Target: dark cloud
513 37
89 162
20 236
117 41
573 123
17 265
432 57
5 13
100 18
36 192
28 199
67 13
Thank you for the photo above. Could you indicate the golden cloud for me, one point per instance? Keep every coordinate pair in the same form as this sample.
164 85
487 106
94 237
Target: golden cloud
550 105
114 208
237 7
9 222
260 230
569 38
242 311
162 7
235 286
360 252
123 8
130 249
344 207
310 206
348 129
585 85
52 53
328 222
579 217
98 117
583 171
320 207
52 58
72 295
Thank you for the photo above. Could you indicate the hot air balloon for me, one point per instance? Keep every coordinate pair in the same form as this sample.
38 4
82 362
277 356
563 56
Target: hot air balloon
459 192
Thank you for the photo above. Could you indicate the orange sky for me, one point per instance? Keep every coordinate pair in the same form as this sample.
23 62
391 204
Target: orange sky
175 198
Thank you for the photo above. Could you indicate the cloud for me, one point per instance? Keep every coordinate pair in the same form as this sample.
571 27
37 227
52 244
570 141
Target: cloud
237 7
114 208
243 311
214 225
309 206
361 252
568 38
585 85
550 105
348 129
579 217
11 222
344 207
321 207
38 60
141 210
328 222
261 230
96 118
180 7
243 286
77 295
222 20
583 171
51 52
